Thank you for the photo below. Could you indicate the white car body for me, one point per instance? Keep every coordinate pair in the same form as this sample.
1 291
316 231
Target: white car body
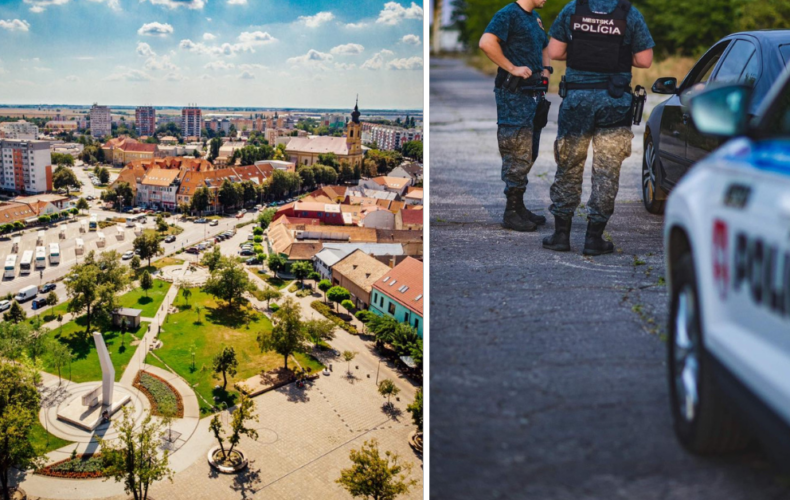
732 210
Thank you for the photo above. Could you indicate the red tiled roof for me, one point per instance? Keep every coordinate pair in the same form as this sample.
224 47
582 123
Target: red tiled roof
411 216
408 273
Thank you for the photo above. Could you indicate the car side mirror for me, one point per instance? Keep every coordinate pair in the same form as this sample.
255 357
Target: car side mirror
666 85
721 111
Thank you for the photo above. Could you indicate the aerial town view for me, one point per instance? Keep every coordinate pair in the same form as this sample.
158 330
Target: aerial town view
211 218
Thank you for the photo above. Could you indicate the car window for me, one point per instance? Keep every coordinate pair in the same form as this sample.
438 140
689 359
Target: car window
735 62
701 71
752 71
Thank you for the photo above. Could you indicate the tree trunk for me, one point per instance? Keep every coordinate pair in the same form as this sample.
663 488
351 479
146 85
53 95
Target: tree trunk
4 480
286 361
224 380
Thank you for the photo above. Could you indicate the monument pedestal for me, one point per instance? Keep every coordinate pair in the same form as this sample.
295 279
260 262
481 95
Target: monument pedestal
88 418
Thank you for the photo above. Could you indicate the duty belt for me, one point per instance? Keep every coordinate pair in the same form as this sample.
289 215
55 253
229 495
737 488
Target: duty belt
591 86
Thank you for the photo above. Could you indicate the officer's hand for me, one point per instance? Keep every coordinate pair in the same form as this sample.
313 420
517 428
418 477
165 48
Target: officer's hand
545 74
521 71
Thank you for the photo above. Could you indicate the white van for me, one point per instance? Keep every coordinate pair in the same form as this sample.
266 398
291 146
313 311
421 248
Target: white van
27 293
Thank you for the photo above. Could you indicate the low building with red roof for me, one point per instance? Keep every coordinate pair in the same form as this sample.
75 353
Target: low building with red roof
399 294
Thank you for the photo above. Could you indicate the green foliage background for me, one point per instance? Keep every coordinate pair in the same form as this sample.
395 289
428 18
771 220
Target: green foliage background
679 27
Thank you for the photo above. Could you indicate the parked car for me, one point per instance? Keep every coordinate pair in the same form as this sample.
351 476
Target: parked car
192 250
246 251
250 237
128 255
201 220
39 303
46 287
252 261
170 238
725 238
239 215
214 222
5 305
672 142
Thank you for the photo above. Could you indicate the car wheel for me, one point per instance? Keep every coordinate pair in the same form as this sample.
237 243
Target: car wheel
650 188
703 421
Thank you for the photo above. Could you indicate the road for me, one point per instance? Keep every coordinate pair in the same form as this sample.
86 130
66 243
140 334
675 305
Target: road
193 233
548 369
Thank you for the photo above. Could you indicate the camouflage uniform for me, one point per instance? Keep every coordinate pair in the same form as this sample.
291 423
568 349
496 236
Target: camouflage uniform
593 115
523 40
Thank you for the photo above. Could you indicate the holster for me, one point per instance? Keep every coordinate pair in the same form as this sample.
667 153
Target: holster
538 123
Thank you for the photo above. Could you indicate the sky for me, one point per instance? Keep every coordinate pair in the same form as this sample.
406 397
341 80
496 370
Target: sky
241 53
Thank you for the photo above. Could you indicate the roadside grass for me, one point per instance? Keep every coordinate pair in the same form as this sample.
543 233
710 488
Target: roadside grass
85 366
277 283
51 314
149 302
38 437
218 327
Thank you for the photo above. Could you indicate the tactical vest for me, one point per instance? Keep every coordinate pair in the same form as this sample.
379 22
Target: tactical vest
598 40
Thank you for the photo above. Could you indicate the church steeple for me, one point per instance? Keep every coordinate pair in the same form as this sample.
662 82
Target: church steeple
355 114
354 131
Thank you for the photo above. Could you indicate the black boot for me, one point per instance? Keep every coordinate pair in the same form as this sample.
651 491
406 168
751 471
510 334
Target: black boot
536 219
561 239
594 244
512 219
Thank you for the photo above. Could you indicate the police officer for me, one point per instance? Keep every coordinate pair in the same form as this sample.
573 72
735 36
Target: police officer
601 40
516 41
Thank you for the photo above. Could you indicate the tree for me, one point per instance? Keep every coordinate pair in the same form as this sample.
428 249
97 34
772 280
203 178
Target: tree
161 225
416 410
147 246
276 263
265 218
348 305
52 299
104 176
19 406
325 286
338 294
387 388
183 208
225 362
213 259
133 457
230 194
244 412
229 283
374 476
60 355
62 159
186 293
269 294
349 356
146 282
301 270
314 275
15 314
65 178
94 284
201 199
413 150
82 204
135 263
214 146
403 338
124 191
288 335
319 330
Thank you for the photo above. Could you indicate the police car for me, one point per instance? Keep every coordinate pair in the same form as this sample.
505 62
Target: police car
727 243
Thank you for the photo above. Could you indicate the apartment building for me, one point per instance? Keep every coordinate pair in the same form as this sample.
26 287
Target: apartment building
25 166
191 121
159 187
101 121
145 118
19 130
387 137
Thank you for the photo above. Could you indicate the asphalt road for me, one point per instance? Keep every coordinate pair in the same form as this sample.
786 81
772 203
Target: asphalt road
548 369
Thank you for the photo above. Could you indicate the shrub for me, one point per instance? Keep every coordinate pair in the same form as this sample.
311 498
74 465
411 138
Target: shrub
257 231
44 219
76 467
274 307
159 393
257 238
294 287
326 311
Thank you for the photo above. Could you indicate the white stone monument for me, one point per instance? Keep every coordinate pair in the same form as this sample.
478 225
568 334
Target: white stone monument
88 411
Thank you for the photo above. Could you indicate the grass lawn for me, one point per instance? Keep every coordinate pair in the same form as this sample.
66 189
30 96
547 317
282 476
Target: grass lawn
39 439
218 327
85 365
51 313
277 283
137 298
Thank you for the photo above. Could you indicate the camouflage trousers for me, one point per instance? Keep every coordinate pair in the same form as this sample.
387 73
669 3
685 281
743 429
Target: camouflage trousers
515 147
586 115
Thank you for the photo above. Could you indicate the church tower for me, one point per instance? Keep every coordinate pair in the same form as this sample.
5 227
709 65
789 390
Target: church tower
354 132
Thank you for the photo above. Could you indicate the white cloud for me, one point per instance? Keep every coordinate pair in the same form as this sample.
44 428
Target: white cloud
160 64
248 67
316 20
226 49
113 4
313 59
208 37
15 25
219 65
40 5
355 26
251 38
155 29
410 63
72 78
348 49
394 13
174 77
85 58
377 61
145 50
410 39
206 77
41 69
34 60
133 75
345 67
175 4
237 2
246 76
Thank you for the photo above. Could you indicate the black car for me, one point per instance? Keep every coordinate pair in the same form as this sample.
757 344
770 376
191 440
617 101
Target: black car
672 142
46 287
39 303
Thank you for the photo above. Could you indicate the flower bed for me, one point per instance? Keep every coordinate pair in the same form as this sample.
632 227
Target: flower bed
332 316
158 392
76 467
